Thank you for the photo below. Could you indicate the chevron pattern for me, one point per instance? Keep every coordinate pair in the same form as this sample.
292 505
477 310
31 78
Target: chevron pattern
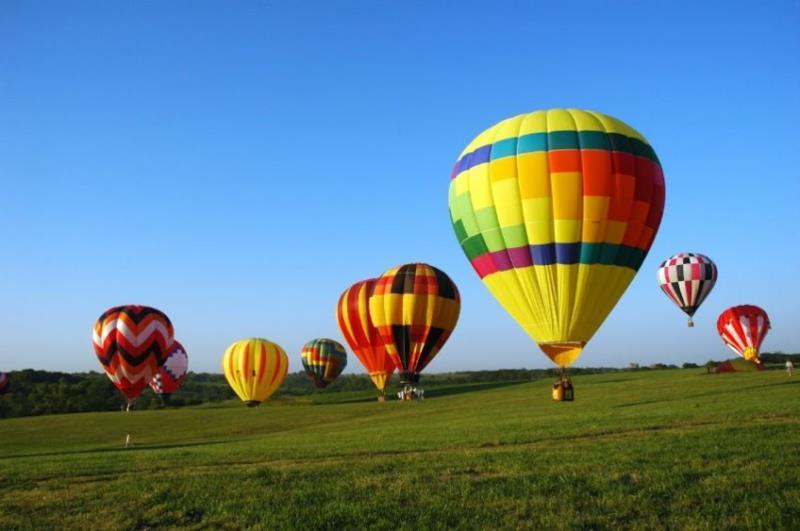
132 342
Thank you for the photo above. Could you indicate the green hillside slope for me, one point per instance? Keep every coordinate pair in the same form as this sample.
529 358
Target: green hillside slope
649 449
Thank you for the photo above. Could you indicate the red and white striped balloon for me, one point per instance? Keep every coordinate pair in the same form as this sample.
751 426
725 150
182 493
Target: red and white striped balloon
743 329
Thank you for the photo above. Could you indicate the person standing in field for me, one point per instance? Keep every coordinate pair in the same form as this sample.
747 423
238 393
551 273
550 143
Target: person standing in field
790 367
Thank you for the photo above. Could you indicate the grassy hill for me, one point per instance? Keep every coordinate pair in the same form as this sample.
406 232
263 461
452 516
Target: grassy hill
650 449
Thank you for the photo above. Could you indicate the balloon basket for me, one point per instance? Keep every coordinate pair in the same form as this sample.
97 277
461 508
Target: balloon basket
411 393
563 390
381 398
252 403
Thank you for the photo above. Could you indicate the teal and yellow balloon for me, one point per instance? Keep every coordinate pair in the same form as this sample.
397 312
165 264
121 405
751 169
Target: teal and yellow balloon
556 210
323 360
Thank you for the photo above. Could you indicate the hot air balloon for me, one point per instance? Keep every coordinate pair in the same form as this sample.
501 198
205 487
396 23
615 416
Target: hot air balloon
687 279
171 375
323 360
556 210
3 383
352 314
743 328
415 308
255 368
132 342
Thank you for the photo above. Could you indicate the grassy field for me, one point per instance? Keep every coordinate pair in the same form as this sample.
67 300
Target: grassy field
650 449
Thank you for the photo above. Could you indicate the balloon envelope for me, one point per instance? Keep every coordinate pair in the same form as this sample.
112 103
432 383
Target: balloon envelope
255 368
352 314
743 329
687 279
323 360
556 210
132 342
171 375
415 308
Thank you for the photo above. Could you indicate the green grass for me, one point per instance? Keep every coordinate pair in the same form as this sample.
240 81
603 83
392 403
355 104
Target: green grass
650 449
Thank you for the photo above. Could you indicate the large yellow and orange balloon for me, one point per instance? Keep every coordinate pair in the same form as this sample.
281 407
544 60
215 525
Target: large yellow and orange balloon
556 210
415 308
352 314
255 368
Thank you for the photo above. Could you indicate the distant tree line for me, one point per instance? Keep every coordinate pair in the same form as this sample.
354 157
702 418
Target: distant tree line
34 392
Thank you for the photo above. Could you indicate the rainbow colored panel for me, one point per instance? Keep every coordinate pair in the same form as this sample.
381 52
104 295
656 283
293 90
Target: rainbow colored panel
556 210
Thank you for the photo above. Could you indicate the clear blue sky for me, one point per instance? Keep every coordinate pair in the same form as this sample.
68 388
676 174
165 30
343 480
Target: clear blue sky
238 164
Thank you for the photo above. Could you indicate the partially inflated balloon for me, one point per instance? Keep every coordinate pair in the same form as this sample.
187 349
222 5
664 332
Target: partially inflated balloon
3 383
171 375
255 368
687 279
415 308
556 210
352 314
743 329
323 360
132 342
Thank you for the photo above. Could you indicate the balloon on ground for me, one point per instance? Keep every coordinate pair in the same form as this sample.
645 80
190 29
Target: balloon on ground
255 368
556 210
743 329
171 375
687 279
415 308
352 314
323 360
132 342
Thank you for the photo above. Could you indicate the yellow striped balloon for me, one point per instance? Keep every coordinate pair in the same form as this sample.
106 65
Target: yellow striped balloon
556 210
255 368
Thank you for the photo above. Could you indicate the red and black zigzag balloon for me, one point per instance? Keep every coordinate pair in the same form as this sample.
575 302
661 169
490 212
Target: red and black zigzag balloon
132 342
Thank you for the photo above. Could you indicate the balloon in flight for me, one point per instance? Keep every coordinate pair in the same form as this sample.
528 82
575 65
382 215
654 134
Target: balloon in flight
171 375
323 360
743 329
132 342
352 314
556 210
255 368
415 308
687 279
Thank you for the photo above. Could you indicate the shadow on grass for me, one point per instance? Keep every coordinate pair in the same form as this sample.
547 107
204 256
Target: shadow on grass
708 393
433 391
121 448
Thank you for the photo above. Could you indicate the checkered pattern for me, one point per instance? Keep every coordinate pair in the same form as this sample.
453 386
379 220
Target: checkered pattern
170 376
687 279
743 329
323 360
132 342
352 314
415 308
